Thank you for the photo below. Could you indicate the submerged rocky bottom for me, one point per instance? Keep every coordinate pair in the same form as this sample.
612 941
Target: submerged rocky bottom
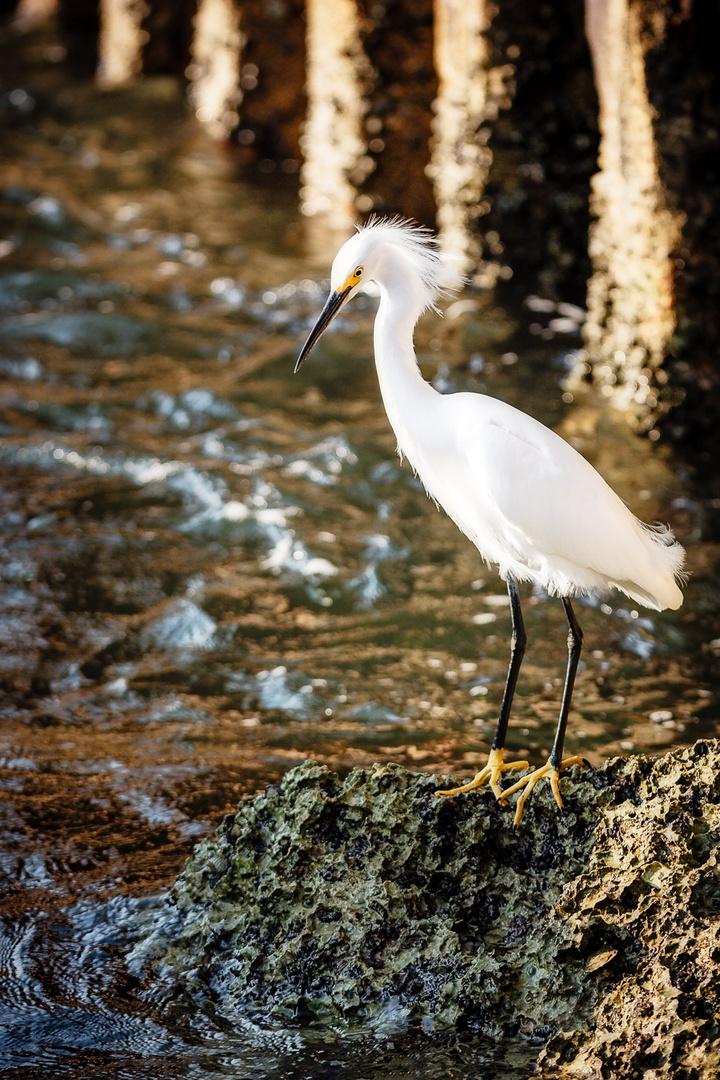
594 932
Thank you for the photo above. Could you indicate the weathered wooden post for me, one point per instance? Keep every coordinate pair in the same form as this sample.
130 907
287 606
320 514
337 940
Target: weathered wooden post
460 156
333 144
32 13
214 69
631 313
121 41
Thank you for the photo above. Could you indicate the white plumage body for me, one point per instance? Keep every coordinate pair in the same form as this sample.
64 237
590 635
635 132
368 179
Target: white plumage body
533 506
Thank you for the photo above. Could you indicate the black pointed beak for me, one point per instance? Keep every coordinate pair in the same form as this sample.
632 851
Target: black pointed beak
334 303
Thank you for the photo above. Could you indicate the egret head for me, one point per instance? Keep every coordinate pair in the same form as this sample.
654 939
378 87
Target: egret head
383 251
348 275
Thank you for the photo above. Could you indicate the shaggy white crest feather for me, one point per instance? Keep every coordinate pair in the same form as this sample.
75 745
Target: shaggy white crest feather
413 248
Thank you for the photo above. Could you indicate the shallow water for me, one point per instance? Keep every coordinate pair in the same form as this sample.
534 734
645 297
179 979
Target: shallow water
212 569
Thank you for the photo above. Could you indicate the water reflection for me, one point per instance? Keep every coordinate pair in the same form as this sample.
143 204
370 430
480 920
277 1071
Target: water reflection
212 569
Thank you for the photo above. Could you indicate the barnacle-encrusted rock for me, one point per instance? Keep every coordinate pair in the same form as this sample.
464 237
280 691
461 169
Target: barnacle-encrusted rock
598 927
648 908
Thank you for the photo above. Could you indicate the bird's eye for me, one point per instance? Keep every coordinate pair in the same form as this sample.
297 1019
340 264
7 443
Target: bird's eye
358 273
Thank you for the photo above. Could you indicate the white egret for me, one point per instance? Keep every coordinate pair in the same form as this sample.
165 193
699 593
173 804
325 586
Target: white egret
532 505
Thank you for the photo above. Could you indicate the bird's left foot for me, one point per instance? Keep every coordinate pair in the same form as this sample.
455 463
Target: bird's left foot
528 782
490 774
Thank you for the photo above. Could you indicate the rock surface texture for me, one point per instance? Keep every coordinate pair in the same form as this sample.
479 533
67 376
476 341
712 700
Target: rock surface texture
595 931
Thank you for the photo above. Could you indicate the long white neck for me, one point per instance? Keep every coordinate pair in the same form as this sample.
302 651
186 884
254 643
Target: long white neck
404 391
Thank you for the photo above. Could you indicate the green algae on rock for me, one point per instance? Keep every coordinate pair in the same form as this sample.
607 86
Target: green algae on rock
351 900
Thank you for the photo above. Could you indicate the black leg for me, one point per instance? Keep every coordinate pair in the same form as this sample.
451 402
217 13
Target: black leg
492 772
518 642
574 643
555 763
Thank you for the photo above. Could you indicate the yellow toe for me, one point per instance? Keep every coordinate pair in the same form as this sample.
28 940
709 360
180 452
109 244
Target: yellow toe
490 773
529 782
